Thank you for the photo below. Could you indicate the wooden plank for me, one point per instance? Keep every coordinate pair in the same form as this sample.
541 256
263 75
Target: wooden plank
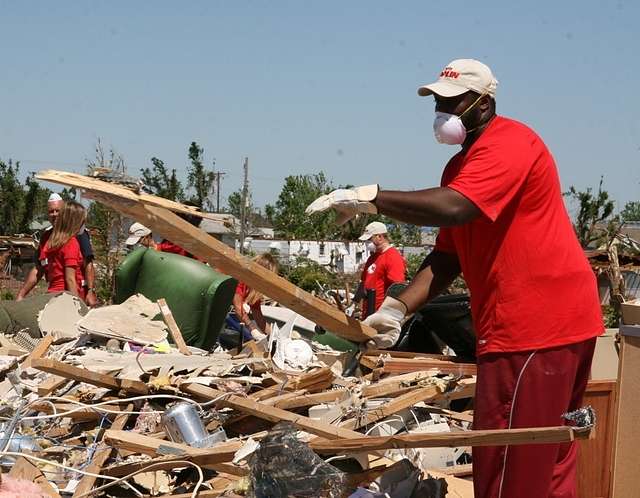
101 456
539 435
89 183
39 351
83 375
406 365
51 384
131 441
397 405
24 469
626 455
173 327
170 226
81 415
458 470
312 399
595 462
271 413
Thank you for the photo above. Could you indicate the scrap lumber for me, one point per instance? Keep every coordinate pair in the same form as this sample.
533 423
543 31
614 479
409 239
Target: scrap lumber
407 365
39 351
83 375
138 443
270 413
151 212
306 400
538 435
176 335
79 415
397 405
24 469
101 456
51 384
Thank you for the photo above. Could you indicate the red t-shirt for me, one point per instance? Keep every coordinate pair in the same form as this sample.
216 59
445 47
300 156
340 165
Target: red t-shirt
243 290
55 261
531 285
380 271
168 246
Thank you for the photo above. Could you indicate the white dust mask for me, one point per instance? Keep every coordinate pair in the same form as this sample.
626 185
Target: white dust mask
371 247
449 128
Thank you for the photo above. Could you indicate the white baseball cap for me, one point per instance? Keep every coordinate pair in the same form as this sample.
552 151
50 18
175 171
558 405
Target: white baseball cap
136 232
373 228
459 77
54 198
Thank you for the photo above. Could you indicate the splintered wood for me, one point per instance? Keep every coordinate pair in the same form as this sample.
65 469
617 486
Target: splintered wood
157 214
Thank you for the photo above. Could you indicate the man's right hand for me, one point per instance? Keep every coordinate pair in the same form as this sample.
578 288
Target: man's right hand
388 322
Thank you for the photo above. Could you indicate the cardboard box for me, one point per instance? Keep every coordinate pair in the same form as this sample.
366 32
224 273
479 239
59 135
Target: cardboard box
631 312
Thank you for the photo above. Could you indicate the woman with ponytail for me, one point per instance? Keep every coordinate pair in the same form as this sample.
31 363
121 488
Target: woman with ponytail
62 251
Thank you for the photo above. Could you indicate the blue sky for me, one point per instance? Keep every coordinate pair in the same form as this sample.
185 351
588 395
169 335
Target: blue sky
304 86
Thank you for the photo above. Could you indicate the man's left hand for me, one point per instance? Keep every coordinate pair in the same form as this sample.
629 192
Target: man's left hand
92 299
347 202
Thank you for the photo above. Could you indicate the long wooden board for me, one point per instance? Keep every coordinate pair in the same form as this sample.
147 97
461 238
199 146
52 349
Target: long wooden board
271 413
541 435
83 375
147 210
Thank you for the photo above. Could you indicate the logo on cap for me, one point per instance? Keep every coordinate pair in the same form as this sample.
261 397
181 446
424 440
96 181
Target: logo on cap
448 72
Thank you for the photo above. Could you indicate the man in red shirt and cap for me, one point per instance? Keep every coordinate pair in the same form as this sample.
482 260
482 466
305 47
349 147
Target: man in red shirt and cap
534 297
385 266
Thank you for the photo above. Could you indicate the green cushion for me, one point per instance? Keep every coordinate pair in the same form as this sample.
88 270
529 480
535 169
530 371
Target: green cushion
198 296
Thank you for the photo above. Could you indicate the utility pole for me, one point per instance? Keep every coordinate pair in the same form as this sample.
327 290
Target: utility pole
243 204
217 175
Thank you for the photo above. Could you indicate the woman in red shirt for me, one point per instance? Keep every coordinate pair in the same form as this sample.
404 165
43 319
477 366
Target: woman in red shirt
247 302
61 253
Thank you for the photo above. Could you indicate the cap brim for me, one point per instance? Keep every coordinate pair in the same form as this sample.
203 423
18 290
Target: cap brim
365 236
132 240
442 88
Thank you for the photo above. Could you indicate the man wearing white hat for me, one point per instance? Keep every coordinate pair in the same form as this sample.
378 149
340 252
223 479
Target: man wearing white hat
54 205
534 298
139 235
385 266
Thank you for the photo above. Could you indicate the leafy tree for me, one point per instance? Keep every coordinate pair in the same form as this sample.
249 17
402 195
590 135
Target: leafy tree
35 203
11 198
307 274
631 211
289 218
69 194
161 183
19 204
594 222
199 178
107 226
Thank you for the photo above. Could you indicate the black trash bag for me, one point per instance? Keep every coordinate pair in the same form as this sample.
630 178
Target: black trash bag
284 467
430 488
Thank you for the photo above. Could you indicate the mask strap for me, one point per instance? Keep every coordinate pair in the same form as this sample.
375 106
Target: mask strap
469 108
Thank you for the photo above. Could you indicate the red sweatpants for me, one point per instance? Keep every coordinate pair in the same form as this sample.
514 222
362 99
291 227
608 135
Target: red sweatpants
521 390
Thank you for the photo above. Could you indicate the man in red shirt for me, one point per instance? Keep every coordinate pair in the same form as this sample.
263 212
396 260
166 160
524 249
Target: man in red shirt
534 298
385 266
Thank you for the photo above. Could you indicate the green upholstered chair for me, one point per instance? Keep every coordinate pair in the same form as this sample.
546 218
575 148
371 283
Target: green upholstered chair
198 296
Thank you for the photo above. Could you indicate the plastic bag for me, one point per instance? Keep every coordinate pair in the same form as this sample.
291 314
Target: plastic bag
285 467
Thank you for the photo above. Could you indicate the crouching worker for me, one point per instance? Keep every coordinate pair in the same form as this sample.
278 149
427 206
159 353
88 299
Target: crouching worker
61 254
246 317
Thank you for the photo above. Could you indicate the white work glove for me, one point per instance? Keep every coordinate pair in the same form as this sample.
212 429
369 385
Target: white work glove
347 202
256 333
387 321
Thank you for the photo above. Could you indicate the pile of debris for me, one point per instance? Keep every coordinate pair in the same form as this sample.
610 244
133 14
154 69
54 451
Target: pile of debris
104 404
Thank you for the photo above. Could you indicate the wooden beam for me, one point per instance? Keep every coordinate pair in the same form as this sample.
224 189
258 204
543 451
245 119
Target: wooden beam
173 327
51 384
25 469
80 415
39 351
131 441
406 365
541 435
144 208
305 400
100 457
83 375
271 413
